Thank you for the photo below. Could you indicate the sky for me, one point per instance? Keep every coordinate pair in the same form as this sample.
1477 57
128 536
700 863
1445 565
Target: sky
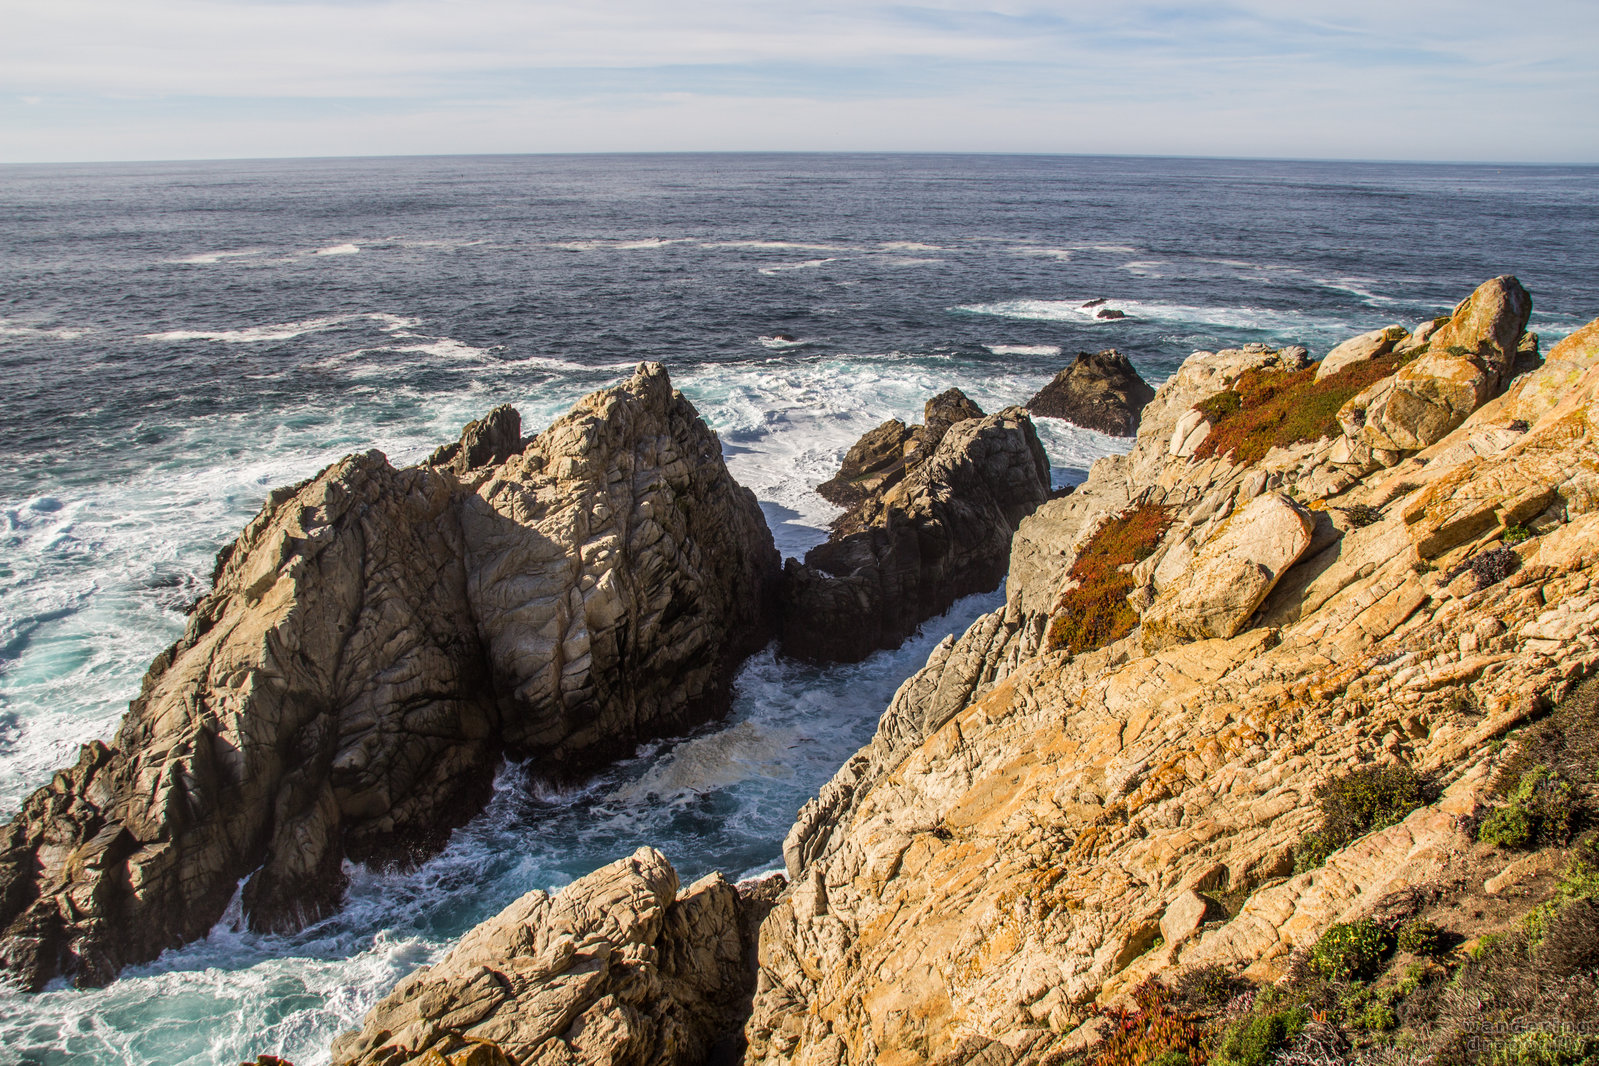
1465 80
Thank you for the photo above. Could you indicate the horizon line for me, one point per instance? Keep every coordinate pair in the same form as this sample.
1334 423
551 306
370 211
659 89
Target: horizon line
866 153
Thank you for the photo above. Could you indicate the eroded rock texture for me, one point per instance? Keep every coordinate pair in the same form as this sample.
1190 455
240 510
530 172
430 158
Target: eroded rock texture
1099 390
1005 854
620 967
375 641
932 529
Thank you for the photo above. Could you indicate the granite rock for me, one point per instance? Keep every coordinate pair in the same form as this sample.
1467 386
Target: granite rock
375 641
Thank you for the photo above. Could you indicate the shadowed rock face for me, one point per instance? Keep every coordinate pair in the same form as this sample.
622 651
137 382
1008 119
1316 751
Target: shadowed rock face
619 968
375 641
940 532
1099 391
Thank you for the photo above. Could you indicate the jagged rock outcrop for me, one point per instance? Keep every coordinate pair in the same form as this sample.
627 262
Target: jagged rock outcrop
1005 853
881 458
619 967
1100 390
375 641
487 441
940 532
1462 364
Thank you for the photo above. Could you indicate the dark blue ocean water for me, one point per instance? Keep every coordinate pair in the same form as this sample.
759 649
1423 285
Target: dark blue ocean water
175 339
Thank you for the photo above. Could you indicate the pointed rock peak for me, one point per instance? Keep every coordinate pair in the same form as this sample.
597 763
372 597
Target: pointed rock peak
1490 321
949 407
488 441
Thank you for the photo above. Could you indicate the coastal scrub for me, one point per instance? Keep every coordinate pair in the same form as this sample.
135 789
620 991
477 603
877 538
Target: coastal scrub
1357 803
1264 409
1095 612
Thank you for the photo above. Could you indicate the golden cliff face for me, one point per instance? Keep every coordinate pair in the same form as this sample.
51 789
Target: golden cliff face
1027 836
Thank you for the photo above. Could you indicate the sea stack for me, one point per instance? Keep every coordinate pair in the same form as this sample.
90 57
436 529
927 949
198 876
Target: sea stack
1100 391
375 641
934 509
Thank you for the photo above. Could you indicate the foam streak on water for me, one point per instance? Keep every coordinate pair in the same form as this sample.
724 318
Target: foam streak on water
177 339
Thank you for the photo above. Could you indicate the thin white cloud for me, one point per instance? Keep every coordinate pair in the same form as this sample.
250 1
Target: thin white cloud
191 77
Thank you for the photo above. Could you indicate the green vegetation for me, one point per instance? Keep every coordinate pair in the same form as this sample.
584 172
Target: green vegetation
1096 611
1256 1040
1360 802
1350 951
1542 809
1516 534
1264 409
1539 1048
1419 937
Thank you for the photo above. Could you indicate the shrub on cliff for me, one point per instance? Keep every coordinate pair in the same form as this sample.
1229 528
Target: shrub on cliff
1350 951
1541 809
1359 802
1565 747
1096 612
1256 1040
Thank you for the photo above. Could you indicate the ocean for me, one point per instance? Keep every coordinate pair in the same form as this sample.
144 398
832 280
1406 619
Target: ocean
177 339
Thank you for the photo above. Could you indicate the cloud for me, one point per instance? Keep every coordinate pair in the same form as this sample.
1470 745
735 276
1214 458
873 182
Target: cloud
1292 78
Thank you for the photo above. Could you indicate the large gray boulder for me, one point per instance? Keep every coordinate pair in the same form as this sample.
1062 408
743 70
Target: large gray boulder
375 641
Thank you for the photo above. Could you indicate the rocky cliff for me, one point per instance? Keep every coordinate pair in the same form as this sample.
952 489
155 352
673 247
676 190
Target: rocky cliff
375 641
934 507
1300 574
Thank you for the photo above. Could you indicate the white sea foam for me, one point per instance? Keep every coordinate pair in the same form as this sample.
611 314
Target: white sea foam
1023 349
789 246
626 245
809 264
12 328
282 331
1288 323
338 249
1063 254
208 258
909 246
781 343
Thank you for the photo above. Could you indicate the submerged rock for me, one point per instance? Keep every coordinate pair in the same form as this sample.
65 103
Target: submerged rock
940 530
375 641
1100 391
619 967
